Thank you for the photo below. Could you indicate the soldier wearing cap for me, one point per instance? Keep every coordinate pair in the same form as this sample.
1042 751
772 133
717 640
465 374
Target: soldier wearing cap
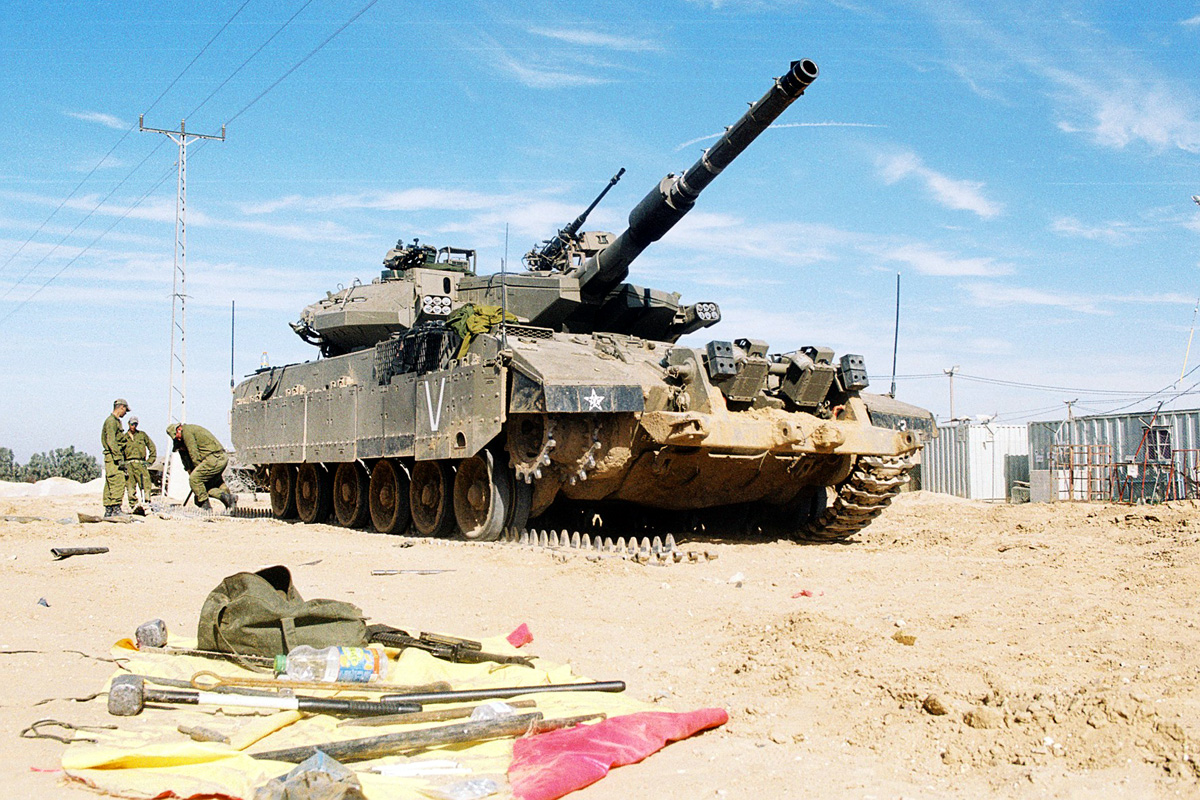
205 459
139 453
114 458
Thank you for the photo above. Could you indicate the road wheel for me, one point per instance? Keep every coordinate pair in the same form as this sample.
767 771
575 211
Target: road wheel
314 493
351 505
431 497
389 497
486 500
282 481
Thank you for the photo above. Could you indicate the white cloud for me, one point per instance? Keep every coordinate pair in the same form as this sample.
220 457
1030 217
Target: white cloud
1112 232
998 295
1118 110
1192 22
590 38
956 194
107 120
928 261
538 77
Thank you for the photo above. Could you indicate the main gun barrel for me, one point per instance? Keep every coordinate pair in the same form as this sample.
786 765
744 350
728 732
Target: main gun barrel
675 195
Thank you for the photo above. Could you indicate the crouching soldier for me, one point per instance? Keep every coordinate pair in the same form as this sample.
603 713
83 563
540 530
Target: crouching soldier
139 454
205 460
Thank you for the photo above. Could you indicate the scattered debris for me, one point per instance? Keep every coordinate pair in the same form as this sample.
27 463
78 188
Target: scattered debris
904 638
60 553
935 706
409 571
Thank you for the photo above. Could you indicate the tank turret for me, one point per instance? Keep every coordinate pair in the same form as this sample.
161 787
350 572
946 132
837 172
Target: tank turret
574 283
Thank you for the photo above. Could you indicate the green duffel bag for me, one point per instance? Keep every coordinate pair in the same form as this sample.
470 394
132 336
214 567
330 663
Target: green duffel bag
261 613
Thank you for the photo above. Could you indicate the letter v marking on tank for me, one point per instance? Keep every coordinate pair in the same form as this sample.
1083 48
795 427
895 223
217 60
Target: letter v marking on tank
435 419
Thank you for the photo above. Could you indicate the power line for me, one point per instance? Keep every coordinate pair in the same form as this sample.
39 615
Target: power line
128 130
88 216
82 252
243 110
250 58
299 63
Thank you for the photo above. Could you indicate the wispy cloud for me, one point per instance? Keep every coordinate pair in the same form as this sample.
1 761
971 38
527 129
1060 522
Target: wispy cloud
928 261
1098 87
1192 22
107 120
1116 111
1000 295
706 137
1112 232
592 38
960 195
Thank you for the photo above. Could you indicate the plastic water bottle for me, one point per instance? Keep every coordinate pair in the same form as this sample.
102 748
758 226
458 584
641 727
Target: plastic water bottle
328 664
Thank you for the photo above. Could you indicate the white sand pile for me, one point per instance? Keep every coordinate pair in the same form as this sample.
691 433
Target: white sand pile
51 487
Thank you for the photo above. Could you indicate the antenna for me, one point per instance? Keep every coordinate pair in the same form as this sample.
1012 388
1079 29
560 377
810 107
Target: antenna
1188 352
179 286
950 372
504 293
896 337
232 333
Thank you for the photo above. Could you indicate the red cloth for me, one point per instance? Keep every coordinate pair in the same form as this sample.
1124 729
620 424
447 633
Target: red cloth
521 636
550 765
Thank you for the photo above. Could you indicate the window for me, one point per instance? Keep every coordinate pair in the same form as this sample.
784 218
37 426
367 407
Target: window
1158 444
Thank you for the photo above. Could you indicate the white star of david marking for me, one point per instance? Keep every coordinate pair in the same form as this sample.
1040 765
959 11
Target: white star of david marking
594 400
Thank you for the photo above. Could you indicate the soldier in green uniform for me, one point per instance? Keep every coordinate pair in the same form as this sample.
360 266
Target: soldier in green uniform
114 458
139 453
205 460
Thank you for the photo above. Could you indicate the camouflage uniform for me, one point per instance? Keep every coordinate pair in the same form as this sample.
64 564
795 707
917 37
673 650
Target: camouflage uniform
139 453
114 461
205 460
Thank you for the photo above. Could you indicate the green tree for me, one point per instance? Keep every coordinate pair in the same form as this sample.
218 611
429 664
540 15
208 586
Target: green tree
9 469
65 462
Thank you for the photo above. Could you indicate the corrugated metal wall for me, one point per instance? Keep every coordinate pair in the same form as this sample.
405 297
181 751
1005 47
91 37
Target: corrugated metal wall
1123 431
1138 469
968 459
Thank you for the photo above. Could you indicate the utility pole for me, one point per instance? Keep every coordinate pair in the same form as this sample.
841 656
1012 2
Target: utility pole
950 372
178 358
1070 410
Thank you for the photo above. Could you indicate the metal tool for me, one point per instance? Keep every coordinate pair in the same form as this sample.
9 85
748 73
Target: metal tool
60 553
507 691
394 743
34 731
210 681
128 695
436 715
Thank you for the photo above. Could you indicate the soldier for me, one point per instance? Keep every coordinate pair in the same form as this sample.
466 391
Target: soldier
205 460
114 458
139 452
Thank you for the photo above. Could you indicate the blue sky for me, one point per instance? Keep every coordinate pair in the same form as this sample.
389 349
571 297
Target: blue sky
1027 168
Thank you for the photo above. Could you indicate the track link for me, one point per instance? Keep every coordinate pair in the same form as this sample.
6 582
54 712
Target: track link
862 497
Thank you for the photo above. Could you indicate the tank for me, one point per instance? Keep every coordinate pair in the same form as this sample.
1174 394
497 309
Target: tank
454 403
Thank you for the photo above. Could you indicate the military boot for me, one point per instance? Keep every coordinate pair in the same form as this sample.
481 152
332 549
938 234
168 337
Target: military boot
112 511
205 505
230 501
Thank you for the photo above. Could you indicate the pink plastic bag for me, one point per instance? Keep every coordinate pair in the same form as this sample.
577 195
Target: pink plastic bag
554 764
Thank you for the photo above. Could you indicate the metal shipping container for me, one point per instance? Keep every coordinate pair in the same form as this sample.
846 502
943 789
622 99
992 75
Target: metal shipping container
974 460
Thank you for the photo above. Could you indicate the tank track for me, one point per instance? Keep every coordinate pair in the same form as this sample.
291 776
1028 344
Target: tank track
859 499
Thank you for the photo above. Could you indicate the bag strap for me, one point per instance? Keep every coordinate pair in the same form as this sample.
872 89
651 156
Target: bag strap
289 632
234 655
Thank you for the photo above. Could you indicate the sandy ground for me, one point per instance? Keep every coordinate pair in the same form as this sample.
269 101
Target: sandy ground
1059 641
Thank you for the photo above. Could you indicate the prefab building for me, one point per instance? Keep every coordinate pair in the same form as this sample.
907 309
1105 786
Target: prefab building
1137 457
978 461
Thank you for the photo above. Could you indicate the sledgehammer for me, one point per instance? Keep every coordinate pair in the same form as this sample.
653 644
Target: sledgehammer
129 694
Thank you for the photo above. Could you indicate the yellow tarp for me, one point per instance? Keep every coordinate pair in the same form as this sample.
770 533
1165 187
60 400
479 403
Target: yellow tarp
148 757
